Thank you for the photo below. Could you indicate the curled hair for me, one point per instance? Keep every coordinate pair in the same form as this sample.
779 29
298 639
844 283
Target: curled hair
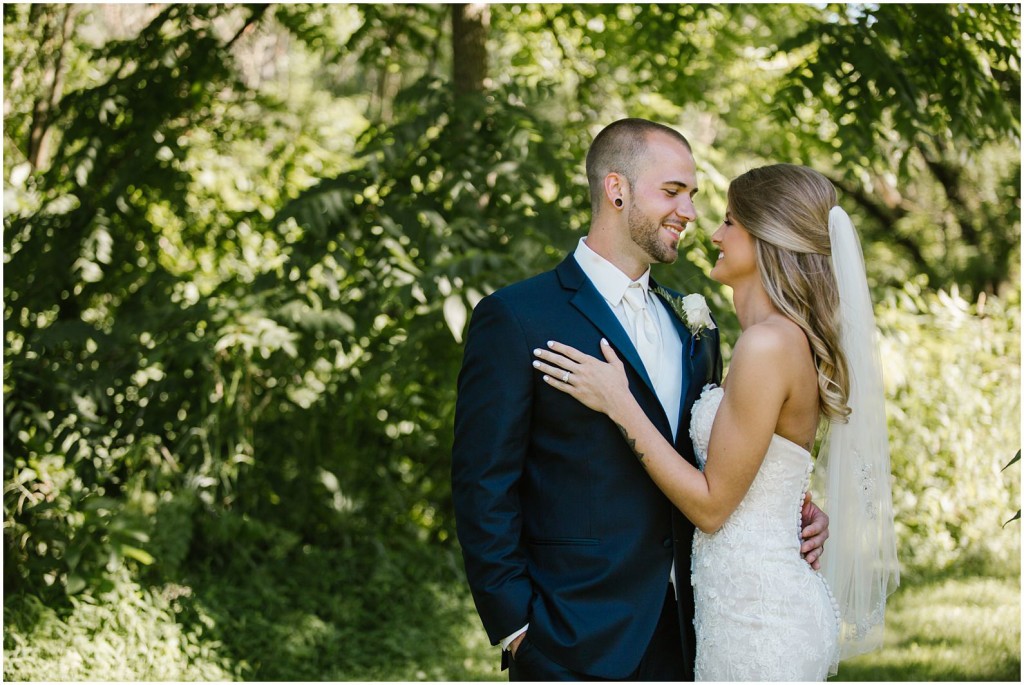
786 209
619 148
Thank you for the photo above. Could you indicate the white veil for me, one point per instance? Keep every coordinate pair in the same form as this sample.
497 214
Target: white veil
852 472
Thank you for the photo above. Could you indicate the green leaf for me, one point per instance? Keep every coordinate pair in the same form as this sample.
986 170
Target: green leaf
139 555
455 315
75 584
1012 462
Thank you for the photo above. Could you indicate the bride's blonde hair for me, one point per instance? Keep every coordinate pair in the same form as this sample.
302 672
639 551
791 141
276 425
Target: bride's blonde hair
785 208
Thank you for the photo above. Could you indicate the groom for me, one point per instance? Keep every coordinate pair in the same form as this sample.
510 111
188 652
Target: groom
578 564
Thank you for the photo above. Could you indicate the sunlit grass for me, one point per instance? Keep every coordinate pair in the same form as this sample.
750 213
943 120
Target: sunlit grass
948 628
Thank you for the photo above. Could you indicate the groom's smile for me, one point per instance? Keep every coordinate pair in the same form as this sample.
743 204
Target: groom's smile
675 230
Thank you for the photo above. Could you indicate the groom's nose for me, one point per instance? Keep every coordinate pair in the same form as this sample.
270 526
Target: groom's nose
685 209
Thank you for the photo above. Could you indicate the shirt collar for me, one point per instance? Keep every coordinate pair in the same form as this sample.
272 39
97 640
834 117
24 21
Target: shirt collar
605 276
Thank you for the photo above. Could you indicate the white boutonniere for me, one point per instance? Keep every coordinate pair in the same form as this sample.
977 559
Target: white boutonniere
692 310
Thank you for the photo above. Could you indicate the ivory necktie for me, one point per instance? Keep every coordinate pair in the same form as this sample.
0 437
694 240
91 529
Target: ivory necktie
646 335
647 338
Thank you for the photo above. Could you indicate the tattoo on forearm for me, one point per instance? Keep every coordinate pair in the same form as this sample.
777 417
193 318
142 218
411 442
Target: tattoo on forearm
632 444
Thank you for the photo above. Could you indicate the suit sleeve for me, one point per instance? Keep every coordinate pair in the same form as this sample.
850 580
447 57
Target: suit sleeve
492 437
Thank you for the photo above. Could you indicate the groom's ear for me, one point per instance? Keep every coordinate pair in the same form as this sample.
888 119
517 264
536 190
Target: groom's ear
616 187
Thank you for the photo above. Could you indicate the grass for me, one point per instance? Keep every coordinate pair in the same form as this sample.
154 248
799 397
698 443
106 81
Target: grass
367 613
952 627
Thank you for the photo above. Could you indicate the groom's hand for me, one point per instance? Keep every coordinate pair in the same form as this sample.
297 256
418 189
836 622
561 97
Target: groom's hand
513 646
814 533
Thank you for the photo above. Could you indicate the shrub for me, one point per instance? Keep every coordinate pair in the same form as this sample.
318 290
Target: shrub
952 373
126 633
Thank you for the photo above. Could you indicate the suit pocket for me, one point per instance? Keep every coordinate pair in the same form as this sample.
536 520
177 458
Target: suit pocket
564 541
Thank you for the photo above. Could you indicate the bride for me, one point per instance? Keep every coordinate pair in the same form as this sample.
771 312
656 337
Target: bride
806 353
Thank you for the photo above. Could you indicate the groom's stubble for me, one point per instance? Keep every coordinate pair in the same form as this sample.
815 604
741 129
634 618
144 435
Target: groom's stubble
645 231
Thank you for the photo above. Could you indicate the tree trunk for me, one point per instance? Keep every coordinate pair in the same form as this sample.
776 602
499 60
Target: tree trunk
469 47
54 66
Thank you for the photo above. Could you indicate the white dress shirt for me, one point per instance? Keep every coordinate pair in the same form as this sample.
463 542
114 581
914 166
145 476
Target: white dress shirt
612 284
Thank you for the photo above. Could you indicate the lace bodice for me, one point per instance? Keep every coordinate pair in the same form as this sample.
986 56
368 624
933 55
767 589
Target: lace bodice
776 495
762 613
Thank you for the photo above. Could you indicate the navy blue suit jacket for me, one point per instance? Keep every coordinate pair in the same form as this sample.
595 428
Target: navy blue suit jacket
560 525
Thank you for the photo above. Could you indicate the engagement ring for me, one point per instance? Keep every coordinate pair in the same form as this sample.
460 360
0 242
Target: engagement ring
565 378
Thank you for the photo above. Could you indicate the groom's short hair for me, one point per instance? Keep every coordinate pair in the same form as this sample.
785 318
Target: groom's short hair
619 148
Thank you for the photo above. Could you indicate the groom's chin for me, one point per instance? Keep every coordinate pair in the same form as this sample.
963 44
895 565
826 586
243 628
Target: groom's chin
670 257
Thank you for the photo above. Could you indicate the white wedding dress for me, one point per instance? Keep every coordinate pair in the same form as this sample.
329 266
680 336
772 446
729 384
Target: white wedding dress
762 613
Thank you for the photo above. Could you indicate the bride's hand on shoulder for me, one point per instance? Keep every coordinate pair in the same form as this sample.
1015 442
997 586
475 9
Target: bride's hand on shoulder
600 385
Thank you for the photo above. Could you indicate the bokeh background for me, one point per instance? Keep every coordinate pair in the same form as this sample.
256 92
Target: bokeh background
241 247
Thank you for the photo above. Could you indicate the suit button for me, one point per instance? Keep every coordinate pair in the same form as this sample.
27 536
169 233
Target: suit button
667 542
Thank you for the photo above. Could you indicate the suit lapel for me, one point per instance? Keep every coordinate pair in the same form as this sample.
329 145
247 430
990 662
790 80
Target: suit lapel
592 305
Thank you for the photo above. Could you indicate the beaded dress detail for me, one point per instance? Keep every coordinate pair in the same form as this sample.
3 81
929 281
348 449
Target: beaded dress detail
761 613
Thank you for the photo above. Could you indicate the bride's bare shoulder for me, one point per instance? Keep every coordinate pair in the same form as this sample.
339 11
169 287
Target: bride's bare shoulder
774 351
776 337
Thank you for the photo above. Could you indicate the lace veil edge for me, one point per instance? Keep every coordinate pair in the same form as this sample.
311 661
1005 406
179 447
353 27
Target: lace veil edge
852 474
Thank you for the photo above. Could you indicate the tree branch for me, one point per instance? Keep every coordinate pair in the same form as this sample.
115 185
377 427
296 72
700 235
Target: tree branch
949 177
256 13
886 216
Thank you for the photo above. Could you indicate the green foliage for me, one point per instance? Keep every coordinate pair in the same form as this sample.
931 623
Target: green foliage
441 207
909 114
268 609
125 633
896 72
91 311
952 372
358 612
236 285
1016 458
214 366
